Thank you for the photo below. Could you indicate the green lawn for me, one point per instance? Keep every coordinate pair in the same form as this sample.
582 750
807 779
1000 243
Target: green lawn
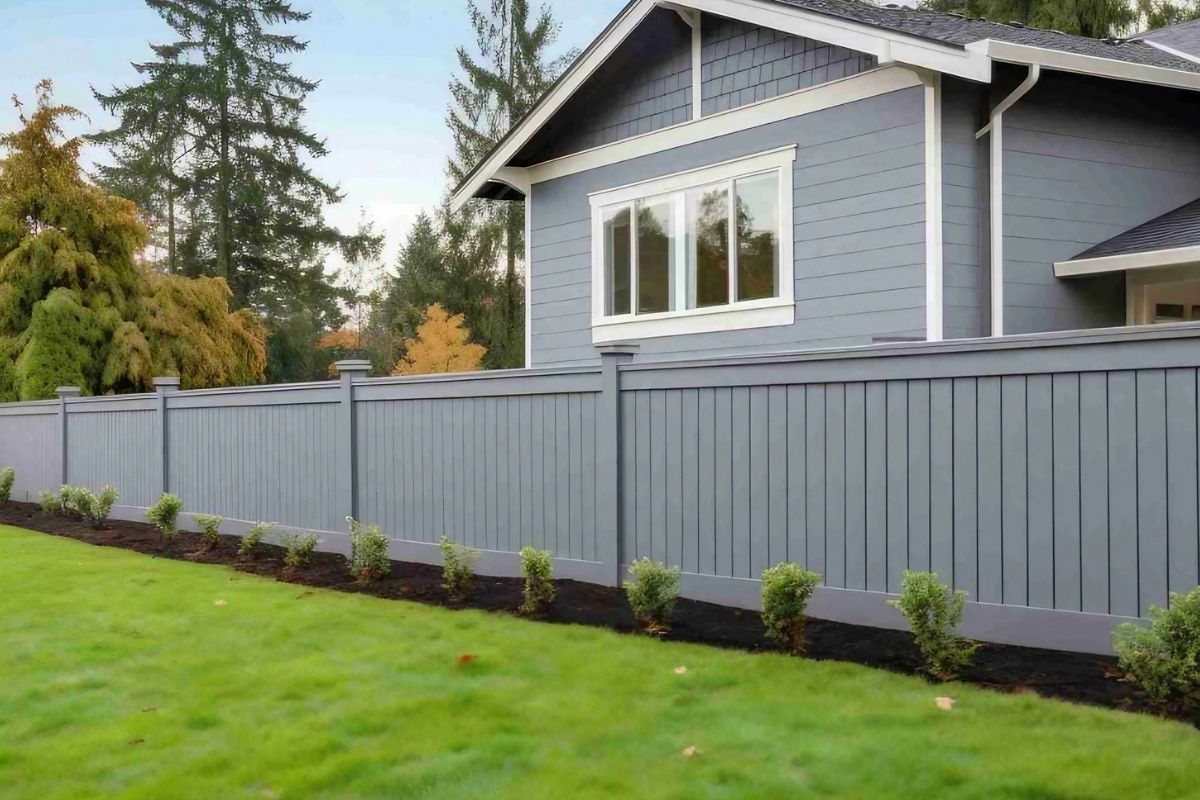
127 676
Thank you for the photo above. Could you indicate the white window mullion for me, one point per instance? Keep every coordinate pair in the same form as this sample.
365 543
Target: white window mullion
732 205
633 259
679 241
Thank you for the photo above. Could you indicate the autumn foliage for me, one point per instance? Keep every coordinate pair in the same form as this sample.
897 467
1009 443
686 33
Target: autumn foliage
75 306
441 345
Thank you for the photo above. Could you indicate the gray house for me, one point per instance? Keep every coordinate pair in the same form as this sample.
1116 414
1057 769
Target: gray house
746 176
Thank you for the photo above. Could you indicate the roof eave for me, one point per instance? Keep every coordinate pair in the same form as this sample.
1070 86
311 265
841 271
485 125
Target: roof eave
1086 65
1147 259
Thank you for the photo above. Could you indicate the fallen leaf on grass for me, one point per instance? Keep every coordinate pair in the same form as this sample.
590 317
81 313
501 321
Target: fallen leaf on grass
149 709
945 703
136 741
680 670
219 603
689 751
466 658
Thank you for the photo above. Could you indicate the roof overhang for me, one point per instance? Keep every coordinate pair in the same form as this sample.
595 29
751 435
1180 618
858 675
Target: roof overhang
1085 65
1150 259
887 46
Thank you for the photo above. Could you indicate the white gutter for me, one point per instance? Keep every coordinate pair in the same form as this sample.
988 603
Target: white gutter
996 181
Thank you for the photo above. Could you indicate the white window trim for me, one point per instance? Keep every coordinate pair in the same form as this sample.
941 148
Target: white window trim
746 314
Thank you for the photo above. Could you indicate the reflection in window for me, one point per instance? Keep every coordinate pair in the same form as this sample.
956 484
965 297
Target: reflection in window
655 254
616 260
758 236
708 247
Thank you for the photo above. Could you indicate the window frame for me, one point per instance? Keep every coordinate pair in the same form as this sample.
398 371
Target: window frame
734 315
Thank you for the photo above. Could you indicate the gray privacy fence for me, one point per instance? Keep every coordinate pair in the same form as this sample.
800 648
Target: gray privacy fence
1053 477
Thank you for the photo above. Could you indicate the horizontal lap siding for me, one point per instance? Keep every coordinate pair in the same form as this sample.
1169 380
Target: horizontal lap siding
964 165
1073 491
117 448
29 444
1084 162
858 227
270 463
494 473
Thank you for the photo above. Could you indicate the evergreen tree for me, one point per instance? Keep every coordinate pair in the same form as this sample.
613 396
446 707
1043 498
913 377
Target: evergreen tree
498 86
442 344
75 307
220 119
1097 19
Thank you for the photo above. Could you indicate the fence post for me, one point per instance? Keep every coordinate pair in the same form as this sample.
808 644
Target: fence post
64 393
162 387
347 470
608 455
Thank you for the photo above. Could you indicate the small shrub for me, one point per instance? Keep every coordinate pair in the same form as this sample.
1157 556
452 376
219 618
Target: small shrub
1164 659
933 613
300 547
70 501
786 589
538 568
49 503
652 590
368 552
165 514
210 529
7 476
105 501
458 567
250 541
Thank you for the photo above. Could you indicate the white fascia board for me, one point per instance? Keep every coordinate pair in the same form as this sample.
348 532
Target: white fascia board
580 71
1150 259
1085 65
804 101
884 44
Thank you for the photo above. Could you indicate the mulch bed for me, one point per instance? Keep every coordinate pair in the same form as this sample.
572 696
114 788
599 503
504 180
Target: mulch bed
1076 677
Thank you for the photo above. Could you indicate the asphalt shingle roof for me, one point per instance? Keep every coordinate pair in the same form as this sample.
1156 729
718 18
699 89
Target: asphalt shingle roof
957 30
1184 36
1178 228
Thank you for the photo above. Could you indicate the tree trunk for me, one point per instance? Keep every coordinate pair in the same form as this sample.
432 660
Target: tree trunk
172 267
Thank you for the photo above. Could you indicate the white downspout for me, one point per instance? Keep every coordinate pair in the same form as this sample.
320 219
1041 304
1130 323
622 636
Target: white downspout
995 127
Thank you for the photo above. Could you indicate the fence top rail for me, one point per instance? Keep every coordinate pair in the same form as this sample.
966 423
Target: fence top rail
29 407
1019 342
480 375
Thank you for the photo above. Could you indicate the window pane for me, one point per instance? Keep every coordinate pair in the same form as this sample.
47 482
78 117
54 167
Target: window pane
758 236
616 260
708 247
655 248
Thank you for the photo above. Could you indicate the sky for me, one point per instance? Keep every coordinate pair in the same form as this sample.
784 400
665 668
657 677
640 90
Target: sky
383 65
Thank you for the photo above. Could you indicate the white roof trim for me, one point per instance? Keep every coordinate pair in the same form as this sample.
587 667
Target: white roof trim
1149 259
888 46
1086 65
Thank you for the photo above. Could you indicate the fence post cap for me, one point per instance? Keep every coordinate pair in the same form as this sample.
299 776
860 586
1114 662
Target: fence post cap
68 391
618 348
352 365
166 382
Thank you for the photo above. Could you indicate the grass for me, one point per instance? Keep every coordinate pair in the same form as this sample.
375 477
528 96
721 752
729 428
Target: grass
125 676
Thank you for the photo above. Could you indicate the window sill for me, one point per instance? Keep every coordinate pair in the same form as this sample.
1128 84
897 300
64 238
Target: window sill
759 314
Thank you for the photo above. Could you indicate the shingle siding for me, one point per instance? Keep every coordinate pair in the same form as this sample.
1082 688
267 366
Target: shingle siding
859 232
742 63
1085 160
647 86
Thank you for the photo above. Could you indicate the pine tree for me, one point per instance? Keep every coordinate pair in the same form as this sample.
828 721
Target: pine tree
75 307
442 344
231 136
1097 19
496 89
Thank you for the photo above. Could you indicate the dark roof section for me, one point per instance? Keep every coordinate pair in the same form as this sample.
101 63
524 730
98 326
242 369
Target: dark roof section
1178 228
957 30
1183 36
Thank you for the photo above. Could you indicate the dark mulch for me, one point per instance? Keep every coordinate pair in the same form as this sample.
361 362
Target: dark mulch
1051 673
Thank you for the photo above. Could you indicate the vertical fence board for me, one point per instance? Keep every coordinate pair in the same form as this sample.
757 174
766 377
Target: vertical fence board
777 474
1067 501
941 479
897 483
797 479
760 508
1039 447
1182 533
1123 493
723 482
1152 489
835 485
1093 491
877 486
856 486
990 514
918 446
706 494
815 533
741 481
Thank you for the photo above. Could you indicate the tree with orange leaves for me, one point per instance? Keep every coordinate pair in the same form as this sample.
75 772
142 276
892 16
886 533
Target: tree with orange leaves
441 345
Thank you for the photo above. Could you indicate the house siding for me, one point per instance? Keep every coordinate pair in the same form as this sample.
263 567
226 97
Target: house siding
646 86
965 284
742 63
1085 160
858 216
